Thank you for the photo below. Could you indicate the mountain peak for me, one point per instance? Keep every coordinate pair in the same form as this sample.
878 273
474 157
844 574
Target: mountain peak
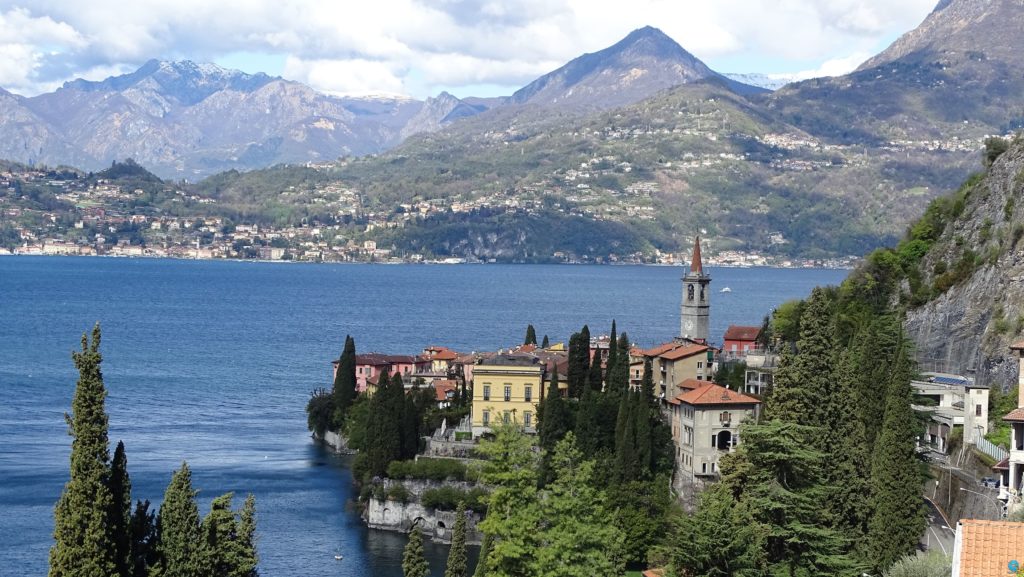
958 29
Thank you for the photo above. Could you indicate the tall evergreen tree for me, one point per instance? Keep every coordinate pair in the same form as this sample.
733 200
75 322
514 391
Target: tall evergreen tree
485 551
555 421
595 376
647 384
345 382
144 540
800 387
228 545
720 539
531 336
385 425
84 547
249 559
590 427
847 487
513 515
579 362
618 376
181 544
120 514
897 518
580 539
457 565
776 472
412 417
613 355
545 343
414 564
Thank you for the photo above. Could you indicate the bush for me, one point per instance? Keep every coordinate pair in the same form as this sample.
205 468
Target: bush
432 470
398 492
931 564
319 411
448 498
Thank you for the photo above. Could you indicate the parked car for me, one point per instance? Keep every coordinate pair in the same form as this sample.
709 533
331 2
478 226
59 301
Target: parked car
990 482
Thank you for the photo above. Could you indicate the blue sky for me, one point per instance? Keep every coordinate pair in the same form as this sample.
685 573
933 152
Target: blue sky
420 47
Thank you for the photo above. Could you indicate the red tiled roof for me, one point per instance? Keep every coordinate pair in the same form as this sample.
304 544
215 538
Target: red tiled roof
693 384
1015 415
712 394
1017 346
987 547
445 355
1003 465
683 352
658 350
527 348
741 333
442 388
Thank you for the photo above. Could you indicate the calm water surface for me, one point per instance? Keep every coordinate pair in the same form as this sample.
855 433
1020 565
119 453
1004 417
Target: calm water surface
213 362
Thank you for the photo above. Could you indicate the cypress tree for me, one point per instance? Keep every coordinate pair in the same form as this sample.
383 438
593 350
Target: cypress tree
613 354
847 484
181 539
545 343
588 422
411 418
595 378
531 336
457 563
618 376
144 540
579 363
897 518
84 547
120 514
385 425
248 559
626 464
481 562
220 547
643 439
345 382
414 564
647 384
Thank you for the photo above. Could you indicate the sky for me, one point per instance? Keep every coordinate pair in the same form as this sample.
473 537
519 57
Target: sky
422 47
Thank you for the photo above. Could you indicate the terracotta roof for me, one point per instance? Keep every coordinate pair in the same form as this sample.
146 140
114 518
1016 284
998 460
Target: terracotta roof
1015 415
527 348
683 352
740 333
696 265
1003 465
693 384
445 355
442 388
712 394
1017 346
987 547
658 349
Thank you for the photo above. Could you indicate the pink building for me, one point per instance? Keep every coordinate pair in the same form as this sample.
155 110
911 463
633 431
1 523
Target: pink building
372 365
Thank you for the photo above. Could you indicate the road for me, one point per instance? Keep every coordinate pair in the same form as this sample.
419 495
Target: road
937 535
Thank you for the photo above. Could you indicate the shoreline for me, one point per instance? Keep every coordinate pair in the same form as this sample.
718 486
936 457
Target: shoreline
427 263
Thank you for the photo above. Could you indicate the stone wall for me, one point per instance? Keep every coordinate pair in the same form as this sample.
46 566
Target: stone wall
335 441
395 516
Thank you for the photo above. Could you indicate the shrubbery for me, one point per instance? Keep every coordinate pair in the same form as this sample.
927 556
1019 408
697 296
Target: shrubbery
448 498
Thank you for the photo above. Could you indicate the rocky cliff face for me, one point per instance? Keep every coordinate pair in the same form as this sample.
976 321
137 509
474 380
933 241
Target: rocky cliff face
968 329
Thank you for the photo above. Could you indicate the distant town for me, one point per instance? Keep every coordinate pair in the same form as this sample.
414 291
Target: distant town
111 219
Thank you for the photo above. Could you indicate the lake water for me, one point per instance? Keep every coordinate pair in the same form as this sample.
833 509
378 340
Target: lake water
212 362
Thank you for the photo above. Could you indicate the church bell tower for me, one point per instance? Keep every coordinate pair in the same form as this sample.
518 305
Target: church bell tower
696 306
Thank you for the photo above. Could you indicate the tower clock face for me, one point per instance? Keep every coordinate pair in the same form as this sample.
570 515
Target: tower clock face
688 326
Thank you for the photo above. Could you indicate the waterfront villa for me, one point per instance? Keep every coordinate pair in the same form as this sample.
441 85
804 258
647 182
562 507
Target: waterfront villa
371 365
739 340
506 388
672 363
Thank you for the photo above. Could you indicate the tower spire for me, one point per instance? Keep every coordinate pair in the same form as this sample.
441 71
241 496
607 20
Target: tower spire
696 266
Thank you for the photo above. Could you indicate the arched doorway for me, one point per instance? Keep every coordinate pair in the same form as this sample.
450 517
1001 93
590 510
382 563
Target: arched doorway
723 441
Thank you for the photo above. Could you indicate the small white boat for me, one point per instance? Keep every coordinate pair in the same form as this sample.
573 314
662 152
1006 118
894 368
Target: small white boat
338 557
726 290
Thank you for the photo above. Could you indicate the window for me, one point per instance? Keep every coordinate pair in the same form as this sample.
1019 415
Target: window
725 417
700 364
529 395
487 418
527 418
689 292
507 417
977 410
487 392
703 467
508 393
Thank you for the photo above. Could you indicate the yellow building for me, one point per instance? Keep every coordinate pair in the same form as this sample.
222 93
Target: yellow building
506 389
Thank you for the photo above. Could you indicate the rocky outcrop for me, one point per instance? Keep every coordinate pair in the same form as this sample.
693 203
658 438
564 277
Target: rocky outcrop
396 516
968 329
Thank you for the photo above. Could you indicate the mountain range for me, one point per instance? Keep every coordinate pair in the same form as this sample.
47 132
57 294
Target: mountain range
823 166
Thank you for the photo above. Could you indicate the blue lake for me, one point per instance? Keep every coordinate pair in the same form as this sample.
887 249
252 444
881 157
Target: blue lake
212 362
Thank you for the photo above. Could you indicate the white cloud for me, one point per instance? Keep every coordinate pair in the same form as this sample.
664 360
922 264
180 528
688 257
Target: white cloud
419 45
